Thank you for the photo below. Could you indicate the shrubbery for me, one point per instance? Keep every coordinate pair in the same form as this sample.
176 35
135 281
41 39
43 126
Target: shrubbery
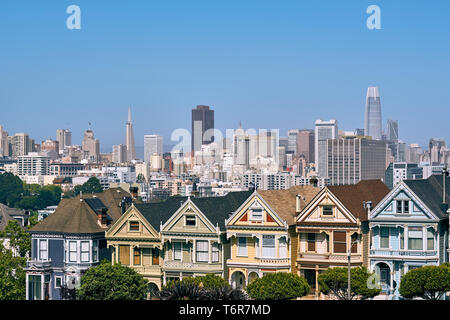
278 286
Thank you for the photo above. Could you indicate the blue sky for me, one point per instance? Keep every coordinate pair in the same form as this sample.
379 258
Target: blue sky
270 64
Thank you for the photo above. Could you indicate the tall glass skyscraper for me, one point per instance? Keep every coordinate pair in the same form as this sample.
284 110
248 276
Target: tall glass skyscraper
372 119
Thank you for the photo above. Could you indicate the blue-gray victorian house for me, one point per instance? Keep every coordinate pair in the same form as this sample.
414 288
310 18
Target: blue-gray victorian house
71 240
409 229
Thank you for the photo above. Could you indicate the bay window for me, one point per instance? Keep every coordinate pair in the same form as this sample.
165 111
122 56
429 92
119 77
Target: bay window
202 251
268 246
415 238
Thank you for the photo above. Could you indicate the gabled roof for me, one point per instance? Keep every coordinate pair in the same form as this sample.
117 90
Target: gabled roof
352 196
79 216
430 192
6 214
284 202
216 209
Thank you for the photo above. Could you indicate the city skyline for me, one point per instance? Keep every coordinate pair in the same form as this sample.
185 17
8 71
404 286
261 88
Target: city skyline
166 62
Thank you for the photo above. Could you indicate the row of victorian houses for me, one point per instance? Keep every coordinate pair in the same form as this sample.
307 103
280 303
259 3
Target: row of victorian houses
244 235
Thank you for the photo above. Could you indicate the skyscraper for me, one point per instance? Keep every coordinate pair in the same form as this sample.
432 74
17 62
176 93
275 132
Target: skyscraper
64 138
202 122
131 151
353 159
324 130
4 144
292 141
372 119
392 130
21 144
90 145
153 144
119 154
305 145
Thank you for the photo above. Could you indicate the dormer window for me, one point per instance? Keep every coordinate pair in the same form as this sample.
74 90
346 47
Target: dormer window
402 206
256 214
327 210
191 221
134 225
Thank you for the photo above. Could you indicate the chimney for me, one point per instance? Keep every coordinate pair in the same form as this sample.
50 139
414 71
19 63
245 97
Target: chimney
134 192
368 206
298 203
102 218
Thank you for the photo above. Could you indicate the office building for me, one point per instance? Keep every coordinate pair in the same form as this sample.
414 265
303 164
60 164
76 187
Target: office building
131 150
372 119
392 130
153 144
21 144
399 171
202 127
305 145
64 138
119 154
4 144
292 141
324 130
90 146
353 159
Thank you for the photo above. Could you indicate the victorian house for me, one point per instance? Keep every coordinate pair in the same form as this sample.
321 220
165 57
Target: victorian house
409 229
260 235
333 225
71 240
179 237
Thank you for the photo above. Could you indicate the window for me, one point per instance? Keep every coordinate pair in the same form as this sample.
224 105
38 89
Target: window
257 214
242 246
215 252
354 247
268 246
402 238
43 250
136 256
202 251
124 255
384 237
84 251
177 253
327 210
58 282
155 256
399 206
311 242
134 226
191 221
430 239
95 250
340 241
72 251
283 248
415 238
405 206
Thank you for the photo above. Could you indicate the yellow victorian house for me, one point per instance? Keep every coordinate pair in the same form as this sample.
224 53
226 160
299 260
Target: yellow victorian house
260 235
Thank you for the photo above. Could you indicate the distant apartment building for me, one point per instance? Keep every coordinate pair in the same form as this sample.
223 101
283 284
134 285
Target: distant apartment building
351 160
33 164
324 130
21 144
279 181
65 169
399 171
153 144
50 145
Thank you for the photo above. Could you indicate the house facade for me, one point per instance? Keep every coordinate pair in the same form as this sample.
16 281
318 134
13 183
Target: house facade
176 238
409 229
70 241
333 225
259 234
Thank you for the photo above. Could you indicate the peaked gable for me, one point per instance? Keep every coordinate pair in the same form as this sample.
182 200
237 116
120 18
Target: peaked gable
255 212
122 226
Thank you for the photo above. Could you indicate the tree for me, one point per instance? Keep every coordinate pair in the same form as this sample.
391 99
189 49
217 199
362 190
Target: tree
278 286
12 276
428 282
91 186
19 239
335 281
112 282
11 189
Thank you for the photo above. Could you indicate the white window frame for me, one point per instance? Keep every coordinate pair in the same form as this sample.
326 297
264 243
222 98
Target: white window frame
175 252
61 279
242 247
84 251
215 252
388 238
190 216
201 255
95 250
259 216
268 251
282 249
42 251
72 251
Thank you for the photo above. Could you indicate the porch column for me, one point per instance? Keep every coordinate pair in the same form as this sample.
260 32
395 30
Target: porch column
317 281
209 251
193 249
